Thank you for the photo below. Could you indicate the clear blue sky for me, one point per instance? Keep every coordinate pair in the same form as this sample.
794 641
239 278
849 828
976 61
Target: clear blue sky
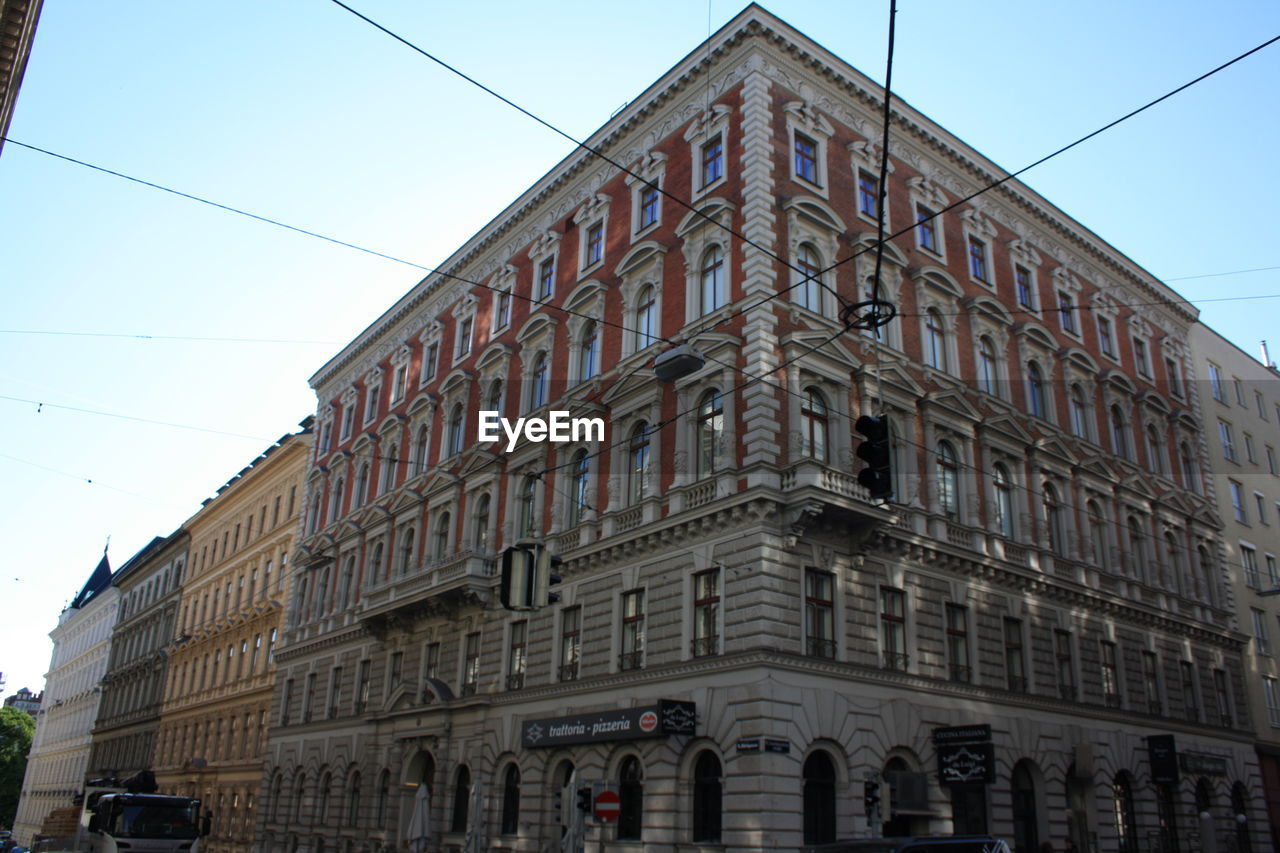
296 110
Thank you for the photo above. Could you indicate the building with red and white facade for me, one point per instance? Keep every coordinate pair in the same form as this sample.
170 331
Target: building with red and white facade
1045 593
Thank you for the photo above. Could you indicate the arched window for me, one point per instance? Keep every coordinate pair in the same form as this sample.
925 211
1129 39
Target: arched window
1155 450
337 500
646 318
375 565
361 493
1173 564
388 476
1126 824
440 548
1004 501
1240 811
299 789
493 400
712 290
1206 575
631 794
1137 549
581 488
1190 472
1079 412
819 790
313 517
808 287
986 365
710 431
935 340
1026 828
948 481
1119 431
406 552
638 468
461 800
420 450
277 790
1053 521
511 800
480 522
538 385
813 428
456 429
1036 404
353 800
706 798
589 353
348 578
527 510
322 798
1097 535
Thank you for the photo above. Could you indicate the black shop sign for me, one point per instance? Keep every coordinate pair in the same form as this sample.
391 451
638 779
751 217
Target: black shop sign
965 755
668 717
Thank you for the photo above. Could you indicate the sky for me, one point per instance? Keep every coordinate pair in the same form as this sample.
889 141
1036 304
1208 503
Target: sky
151 346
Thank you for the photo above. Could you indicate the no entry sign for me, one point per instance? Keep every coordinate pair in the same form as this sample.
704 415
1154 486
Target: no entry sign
608 805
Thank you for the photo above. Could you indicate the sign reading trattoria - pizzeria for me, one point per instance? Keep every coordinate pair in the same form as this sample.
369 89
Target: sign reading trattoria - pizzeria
668 717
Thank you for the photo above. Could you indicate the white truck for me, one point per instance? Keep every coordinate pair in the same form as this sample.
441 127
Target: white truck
129 816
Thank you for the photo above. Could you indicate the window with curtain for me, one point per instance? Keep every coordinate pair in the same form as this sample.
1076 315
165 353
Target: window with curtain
948 480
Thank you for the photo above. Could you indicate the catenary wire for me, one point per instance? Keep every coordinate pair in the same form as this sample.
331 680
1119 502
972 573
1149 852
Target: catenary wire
42 404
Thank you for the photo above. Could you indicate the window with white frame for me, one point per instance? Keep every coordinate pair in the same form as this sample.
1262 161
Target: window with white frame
1173 372
928 231
711 161
948 480
543 257
638 451
709 432
462 347
707 136
1155 450
808 286
399 379
1079 405
1119 433
373 391
633 613
987 370
588 351
1227 435
545 282
1004 505
809 131
1216 384
978 266
806 158
1024 285
935 340
579 489
1260 503
1261 633
1106 340
893 629
819 613
646 193
1140 359
813 425
712 292
502 305
1067 312
1037 395
1239 386
1248 448
592 219
1272 695
868 194
959 667
646 318
706 613
1237 501
430 361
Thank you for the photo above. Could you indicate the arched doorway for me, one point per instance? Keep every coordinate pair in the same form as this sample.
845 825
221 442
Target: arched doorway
1125 821
908 800
819 791
420 770
1079 791
1240 814
1026 821
561 782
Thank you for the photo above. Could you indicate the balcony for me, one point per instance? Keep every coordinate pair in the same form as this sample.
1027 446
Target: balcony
569 671
701 647
628 661
895 661
469 688
515 681
817 647
961 673
460 577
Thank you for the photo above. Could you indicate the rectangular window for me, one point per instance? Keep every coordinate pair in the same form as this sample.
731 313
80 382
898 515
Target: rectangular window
430 671
1261 404
1237 500
1269 691
309 698
893 628
1140 357
1067 312
1248 448
1261 634
1190 707
464 337
712 162
1062 648
1105 342
868 194
516 655
1215 382
501 309
471 664
370 412
958 643
1110 675
706 613
546 279
1273 579
1228 440
977 259
1271 461
335 690
1260 501
819 613
1222 693
570 642
595 244
1026 292
806 158
648 207
1239 386
362 686
632 630
286 699
396 673
926 234
1249 561
429 362
1151 682
1015 663
1174 372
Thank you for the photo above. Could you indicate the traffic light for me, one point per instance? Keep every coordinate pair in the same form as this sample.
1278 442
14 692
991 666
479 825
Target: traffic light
516 588
875 450
871 800
584 799
545 577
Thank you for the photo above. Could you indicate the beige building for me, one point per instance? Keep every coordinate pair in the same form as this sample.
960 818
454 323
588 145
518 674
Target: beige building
213 721
1240 397
18 20
124 737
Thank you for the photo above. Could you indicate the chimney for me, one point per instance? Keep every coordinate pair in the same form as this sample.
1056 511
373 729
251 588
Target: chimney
1266 357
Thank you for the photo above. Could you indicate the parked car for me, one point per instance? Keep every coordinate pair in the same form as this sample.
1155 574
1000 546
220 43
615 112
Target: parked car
918 844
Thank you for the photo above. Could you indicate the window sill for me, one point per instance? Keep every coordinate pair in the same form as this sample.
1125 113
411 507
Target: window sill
594 266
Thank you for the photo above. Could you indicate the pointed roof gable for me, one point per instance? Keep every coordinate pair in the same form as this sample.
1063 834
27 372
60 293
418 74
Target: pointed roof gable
98 581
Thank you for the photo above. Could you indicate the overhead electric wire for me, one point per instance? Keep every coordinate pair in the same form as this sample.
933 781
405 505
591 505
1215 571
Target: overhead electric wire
42 404
189 338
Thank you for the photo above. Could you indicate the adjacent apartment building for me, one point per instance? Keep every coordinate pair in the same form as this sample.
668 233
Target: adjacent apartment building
124 737
59 757
213 719
1034 639
1240 396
